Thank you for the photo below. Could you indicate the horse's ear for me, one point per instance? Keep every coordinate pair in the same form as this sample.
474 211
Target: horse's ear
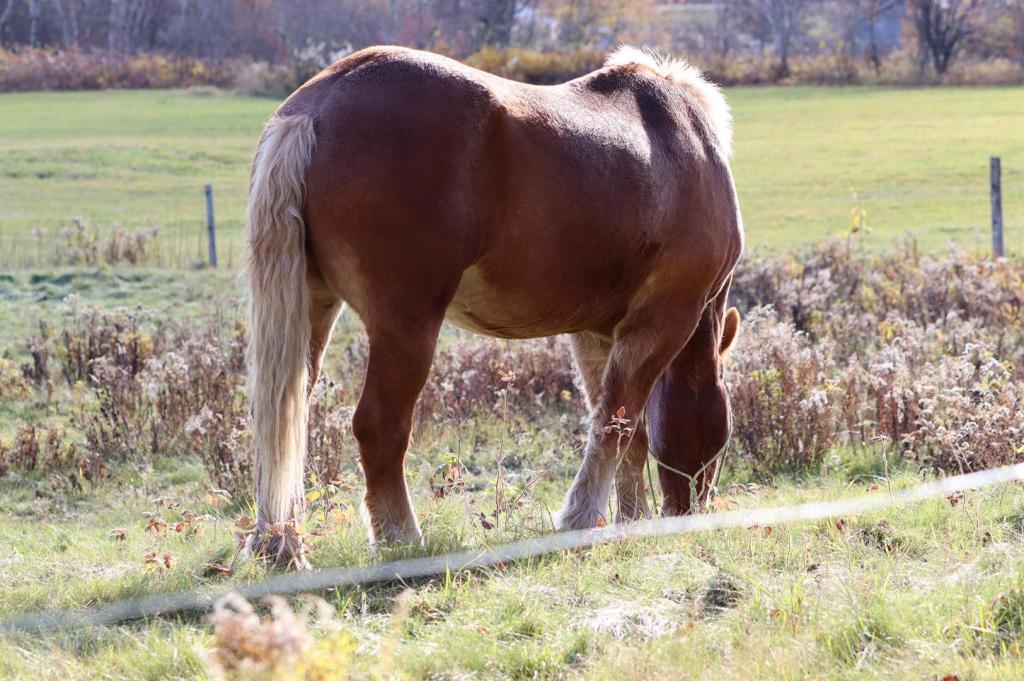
730 327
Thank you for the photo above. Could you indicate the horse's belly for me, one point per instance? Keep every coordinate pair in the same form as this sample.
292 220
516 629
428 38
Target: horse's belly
483 308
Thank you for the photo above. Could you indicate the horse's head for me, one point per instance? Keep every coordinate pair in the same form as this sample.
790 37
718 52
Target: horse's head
689 414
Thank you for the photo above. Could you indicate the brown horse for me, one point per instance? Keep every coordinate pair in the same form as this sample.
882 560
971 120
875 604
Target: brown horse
416 189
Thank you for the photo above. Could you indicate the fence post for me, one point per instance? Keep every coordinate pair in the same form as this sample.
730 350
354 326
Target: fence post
211 226
995 175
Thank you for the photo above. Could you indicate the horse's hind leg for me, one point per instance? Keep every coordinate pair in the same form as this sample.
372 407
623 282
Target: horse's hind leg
400 359
324 308
591 352
645 342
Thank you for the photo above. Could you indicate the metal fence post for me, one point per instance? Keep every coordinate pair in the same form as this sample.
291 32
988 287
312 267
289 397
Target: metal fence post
211 226
995 176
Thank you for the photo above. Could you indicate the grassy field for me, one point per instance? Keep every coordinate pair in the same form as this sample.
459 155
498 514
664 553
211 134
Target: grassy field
805 158
920 591
929 591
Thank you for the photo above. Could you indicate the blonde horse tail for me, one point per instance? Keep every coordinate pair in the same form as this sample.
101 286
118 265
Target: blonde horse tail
279 326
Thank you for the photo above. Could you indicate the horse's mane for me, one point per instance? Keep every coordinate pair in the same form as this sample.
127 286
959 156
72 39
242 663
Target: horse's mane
684 74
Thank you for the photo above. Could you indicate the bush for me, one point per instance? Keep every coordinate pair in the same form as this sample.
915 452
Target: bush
539 68
924 353
266 80
783 394
29 68
73 69
466 379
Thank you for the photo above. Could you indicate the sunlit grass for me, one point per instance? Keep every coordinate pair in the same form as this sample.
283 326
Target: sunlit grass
907 159
809 600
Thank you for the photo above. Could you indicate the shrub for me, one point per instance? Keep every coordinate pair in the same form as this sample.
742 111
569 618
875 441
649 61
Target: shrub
81 244
30 68
37 448
840 347
782 393
14 384
539 68
926 353
90 334
265 80
466 378
839 294
73 69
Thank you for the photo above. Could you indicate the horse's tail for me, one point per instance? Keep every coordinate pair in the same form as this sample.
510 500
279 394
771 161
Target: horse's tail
279 327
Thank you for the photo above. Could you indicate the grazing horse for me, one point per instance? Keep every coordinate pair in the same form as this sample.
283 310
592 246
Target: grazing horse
418 190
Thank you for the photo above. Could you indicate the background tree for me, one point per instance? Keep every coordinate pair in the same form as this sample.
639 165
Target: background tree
1018 30
942 28
783 20
5 13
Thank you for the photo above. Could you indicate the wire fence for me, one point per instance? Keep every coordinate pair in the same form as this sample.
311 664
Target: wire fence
171 245
415 568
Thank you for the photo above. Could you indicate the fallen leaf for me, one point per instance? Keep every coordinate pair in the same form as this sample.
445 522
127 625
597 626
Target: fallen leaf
217 569
214 496
723 503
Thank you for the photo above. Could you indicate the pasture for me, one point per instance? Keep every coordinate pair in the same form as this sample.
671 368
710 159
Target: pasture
113 494
805 158
863 367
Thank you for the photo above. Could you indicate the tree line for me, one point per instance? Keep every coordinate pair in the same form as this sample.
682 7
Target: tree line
936 32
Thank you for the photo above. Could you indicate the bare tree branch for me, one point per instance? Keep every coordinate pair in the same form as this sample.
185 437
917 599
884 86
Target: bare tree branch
942 27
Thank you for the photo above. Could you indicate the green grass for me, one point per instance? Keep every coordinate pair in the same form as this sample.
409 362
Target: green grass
918 591
915 159
940 595
165 292
136 158
915 592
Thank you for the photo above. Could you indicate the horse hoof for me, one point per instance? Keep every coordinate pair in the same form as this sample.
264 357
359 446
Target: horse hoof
578 519
396 539
631 514
280 550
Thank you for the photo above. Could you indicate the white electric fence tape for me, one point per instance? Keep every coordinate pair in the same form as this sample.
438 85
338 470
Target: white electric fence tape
401 570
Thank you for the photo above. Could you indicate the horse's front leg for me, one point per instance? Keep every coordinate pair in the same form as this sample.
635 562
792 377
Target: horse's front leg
399 362
591 353
644 344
